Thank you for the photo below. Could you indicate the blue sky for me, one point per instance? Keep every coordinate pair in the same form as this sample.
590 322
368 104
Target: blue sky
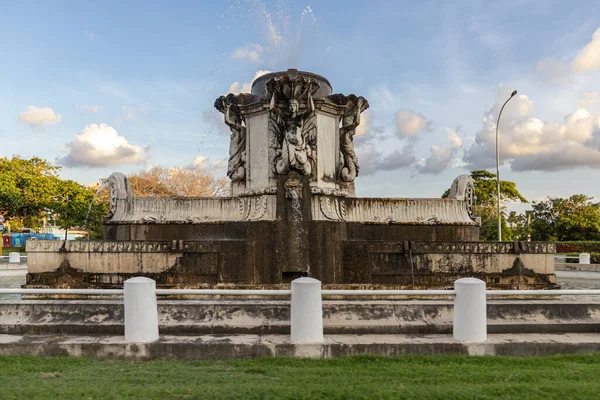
124 85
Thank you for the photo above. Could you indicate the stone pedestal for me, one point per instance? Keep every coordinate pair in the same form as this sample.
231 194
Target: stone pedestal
291 122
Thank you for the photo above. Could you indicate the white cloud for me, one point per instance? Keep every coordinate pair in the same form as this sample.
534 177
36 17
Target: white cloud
246 87
409 123
398 159
453 138
206 164
528 143
441 157
371 159
439 160
250 52
365 120
101 146
237 88
588 59
38 116
85 107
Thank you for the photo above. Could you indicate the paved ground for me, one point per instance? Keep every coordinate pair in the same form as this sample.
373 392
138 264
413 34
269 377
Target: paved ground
11 279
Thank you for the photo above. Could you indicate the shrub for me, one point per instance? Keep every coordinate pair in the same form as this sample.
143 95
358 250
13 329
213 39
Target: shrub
578 247
594 258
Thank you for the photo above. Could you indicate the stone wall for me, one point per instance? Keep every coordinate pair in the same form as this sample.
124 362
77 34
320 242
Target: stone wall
255 262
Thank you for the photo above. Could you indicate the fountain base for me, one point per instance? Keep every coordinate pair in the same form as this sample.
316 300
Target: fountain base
343 242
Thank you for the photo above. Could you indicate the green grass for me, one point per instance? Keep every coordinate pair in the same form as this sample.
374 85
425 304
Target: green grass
7 250
364 377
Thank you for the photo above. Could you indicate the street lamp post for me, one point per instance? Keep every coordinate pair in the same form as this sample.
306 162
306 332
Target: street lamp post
498 166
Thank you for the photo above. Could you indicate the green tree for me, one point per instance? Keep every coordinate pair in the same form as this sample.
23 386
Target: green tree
522 226
26 189
30 191
74 205
573 218
486 204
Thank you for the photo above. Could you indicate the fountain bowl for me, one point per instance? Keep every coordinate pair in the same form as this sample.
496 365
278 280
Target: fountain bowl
259 86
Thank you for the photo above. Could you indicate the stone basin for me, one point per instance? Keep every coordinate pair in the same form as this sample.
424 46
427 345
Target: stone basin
259 87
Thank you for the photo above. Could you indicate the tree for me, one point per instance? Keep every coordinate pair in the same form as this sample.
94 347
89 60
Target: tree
31 191
573 218
26 189
179 182
75 206
486 204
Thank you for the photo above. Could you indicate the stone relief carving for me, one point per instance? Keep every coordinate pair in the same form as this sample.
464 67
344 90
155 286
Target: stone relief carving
252 208
293 184
154 219
91 246
327 191
463 188
332 209
85 246
258 192
484 248
229 107
120 190
292 124
430 220
389 219
354 106
151 219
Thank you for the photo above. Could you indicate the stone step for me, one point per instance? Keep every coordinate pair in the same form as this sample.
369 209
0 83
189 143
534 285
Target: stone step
214 347
196 317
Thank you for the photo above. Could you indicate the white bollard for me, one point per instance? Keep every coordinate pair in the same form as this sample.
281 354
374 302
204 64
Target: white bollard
470 314
141 312
584 258
14 257
307 311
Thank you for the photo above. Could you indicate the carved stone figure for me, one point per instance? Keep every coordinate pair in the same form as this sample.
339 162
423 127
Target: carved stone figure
228 105
120 191
463 188
350 121
292 127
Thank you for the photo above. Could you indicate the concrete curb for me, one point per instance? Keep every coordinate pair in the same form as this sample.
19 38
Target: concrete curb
212 347
577 267
262 317
13 266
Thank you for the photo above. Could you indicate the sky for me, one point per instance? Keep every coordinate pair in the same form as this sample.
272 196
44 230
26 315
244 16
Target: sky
98 87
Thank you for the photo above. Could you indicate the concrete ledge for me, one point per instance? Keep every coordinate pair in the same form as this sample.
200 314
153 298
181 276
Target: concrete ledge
577 267
13 266
198 317
252 346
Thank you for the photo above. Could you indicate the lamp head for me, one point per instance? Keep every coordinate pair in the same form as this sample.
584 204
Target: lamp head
513 93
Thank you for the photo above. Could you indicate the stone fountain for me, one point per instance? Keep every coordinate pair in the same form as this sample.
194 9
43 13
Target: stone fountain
292 212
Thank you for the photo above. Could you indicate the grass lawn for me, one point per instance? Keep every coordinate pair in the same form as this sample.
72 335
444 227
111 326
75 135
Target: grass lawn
7 250
364 377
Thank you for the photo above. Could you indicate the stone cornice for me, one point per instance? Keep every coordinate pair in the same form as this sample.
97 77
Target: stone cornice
393 211
179 246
